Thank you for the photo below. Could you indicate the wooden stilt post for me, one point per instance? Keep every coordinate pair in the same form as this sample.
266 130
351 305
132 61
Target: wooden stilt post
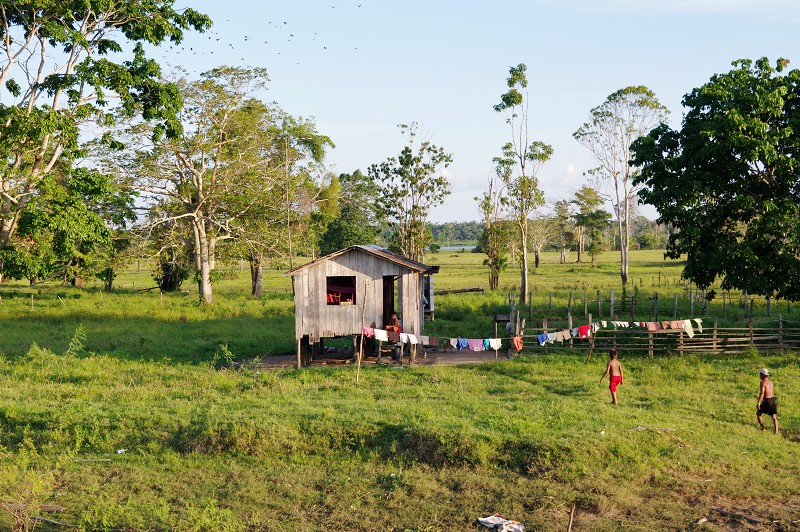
299 350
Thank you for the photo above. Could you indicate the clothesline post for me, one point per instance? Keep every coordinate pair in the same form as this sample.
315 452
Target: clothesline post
363 314
544 326
569 326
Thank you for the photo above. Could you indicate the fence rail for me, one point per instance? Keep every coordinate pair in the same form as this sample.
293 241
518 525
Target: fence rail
713 340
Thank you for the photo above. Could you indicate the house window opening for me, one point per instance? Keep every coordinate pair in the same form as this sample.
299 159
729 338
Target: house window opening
341 290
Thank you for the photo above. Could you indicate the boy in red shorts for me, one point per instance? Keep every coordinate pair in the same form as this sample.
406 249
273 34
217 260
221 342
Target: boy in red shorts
615 376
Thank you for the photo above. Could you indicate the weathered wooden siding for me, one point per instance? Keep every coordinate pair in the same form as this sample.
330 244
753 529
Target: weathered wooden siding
315 318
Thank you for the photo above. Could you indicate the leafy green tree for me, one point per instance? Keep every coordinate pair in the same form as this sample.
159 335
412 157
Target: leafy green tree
224 168
565 228
587 200
728 180
409 186
64 63
519 164
541 232
625 116
356 223
65 225
594 222
495 232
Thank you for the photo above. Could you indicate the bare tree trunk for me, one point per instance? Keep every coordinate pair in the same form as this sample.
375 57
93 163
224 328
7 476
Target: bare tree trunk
255 276
580 242
523 285
536 258
202 250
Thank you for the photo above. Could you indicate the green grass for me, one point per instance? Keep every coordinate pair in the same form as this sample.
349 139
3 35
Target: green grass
85 374
405 449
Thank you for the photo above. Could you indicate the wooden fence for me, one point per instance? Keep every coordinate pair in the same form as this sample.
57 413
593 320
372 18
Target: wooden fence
713 340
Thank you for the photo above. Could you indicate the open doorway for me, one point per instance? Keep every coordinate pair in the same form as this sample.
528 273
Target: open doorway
389 297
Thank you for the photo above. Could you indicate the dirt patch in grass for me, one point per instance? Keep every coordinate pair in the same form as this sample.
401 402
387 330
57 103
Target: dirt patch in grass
340 357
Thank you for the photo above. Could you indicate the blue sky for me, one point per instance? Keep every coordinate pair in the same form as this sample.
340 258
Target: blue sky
360 67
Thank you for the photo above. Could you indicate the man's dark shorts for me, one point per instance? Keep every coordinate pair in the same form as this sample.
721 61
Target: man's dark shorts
768 407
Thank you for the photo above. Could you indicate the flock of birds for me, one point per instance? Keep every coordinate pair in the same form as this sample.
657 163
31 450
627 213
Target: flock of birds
280 35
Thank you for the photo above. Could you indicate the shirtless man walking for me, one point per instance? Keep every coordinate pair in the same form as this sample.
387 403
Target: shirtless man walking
766 400
614 372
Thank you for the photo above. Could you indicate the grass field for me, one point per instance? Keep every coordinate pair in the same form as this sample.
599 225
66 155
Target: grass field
113 407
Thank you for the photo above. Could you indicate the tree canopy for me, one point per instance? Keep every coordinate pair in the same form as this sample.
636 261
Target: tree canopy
65 64
613 126
409 186
728 181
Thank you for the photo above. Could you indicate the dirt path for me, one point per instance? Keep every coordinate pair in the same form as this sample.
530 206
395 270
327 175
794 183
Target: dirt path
437 357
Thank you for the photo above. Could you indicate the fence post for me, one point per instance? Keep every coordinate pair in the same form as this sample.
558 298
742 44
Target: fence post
655 306
750 308
599 306
769 306
633 306
612 305
544 330
746 313
724 307
691 303
569 308
569 326
585 304
680 343
714 337
675 308
750 325
780 330
650 344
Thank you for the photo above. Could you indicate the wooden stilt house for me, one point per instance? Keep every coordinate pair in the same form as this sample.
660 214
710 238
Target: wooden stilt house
360 285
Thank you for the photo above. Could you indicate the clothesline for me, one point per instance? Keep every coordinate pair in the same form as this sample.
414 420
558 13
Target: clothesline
586 331
487 344
459 343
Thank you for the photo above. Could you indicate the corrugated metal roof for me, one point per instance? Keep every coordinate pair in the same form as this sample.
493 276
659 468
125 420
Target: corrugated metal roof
377 251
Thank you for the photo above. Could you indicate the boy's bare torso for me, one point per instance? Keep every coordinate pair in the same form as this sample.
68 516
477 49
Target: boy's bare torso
614 368
767 389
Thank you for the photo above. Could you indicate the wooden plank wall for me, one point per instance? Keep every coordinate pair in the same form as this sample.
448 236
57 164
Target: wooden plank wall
315 318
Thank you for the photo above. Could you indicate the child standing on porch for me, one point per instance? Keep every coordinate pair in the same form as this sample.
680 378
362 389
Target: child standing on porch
615 375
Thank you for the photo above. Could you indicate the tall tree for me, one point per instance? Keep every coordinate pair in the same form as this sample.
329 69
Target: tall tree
409 186
356 223
728 181
594 222
541 232
214 173
625 116
587 200
63 68
565 228
493 239
520 162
